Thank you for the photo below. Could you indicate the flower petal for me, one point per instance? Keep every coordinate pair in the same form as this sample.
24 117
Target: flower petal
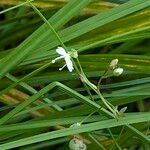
69 63
61 51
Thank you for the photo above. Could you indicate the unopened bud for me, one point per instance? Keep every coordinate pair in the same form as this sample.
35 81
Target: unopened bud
118 71
73 53
122 110
113 63
77 144
75 125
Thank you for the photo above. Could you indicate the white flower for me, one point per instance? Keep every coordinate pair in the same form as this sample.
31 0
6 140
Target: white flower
77 144
118 71
66 56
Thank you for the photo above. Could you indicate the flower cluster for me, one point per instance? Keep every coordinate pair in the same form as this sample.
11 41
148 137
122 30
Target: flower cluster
113 65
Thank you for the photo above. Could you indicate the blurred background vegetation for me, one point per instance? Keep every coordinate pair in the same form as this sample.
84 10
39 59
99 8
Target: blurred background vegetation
100 31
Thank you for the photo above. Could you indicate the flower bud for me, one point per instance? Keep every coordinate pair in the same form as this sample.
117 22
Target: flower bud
113 64
122 110
118 71
75 125
73 53
77 144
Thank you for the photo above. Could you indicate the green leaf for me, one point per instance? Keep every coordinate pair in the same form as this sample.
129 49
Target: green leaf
33 41
144 117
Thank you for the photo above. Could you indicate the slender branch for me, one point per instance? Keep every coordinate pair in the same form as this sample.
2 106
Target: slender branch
48 24
14 7
101 78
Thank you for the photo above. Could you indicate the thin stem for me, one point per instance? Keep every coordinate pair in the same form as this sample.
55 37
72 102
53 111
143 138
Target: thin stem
106 104
88 91
48 24
117 138
14 7
101 78
88 116
114 139
101 147
80 66
109 106
79 73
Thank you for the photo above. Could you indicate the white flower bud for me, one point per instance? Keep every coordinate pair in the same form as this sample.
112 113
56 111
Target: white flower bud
75 125
77 144
113 63
118 71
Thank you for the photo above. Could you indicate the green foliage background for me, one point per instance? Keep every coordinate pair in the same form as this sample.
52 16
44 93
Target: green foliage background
34 105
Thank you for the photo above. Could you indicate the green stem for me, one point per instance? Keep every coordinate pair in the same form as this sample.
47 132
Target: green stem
82 72
101 78
14 7
112 148
109 106
48 24
88 91
79 73
106 104
118 146
87 117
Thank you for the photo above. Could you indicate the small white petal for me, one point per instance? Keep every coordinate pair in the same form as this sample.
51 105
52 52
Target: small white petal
61 51
69 63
